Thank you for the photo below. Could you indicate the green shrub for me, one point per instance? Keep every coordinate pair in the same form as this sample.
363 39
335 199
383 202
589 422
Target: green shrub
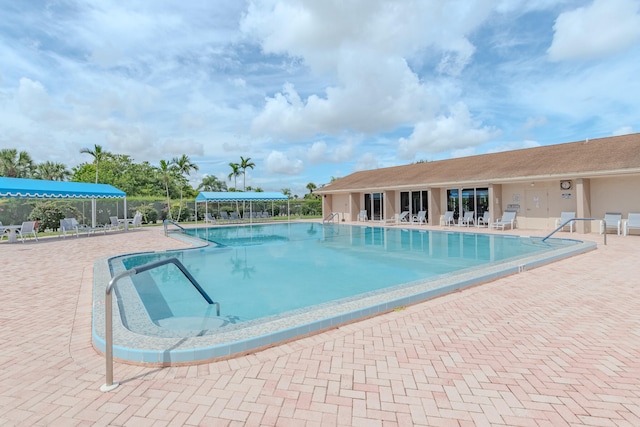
48 214
149 214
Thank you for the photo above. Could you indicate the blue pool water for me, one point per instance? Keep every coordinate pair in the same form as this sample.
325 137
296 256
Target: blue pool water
266 271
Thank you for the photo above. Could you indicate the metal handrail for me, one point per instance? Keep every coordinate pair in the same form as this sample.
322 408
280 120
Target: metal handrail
604 223
166 223
108 310
331 217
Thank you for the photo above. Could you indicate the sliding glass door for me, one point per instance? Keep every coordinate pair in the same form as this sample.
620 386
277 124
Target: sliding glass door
374 204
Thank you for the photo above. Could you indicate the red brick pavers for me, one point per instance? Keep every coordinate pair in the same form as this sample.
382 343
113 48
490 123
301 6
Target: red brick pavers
557 345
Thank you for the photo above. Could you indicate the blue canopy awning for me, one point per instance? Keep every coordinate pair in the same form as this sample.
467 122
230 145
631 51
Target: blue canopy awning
239 196
40 188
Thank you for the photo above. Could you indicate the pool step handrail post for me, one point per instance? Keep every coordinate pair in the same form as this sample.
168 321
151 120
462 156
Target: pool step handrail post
108 310
331 217
166 223
567 222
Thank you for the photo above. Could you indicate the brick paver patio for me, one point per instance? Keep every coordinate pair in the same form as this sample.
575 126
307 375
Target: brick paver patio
557 345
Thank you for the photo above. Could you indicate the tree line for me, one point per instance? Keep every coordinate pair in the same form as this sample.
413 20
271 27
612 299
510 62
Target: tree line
168 180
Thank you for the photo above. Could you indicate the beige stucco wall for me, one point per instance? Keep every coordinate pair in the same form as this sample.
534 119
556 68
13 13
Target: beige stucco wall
540 203
619 194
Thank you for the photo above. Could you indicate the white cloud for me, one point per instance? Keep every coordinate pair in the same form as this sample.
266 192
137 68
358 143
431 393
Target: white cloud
455 131
534 122
603 28
365 45
278 162
516 145
366 162
624 130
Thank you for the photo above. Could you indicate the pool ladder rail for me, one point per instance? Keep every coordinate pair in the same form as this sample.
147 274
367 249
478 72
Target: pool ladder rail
108 308
166 223
561 226
332 217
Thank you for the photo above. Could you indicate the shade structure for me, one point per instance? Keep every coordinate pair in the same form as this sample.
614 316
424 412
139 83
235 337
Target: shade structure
40 188
44 189
239 196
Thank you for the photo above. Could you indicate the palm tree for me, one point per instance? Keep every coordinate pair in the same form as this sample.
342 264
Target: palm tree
244 165
212 183
235 171
98 155
14 164
286 192
52 171
184 166
311 186
167 173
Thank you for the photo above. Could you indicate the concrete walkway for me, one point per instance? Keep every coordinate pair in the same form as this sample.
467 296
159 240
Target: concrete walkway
557 345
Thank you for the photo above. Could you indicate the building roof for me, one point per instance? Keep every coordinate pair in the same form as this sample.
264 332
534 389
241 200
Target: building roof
40 188
240 196
610 156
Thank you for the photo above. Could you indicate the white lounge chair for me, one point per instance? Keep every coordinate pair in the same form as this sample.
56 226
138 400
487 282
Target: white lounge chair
422 217
613 220
362 216
136 221
468 218
564 217
28 227
3 232
483 221
403 217
448 218
508 219
632 223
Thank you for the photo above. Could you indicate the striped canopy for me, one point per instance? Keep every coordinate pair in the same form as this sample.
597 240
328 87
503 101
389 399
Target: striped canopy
39 188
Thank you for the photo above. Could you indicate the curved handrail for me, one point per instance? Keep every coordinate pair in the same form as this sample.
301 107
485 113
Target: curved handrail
108 309
166 223
561 226
331 216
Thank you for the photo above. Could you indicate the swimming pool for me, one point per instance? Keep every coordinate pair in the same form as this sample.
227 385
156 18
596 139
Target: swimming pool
276 282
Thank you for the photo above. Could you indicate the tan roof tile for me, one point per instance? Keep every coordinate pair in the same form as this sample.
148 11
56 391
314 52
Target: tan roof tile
610 155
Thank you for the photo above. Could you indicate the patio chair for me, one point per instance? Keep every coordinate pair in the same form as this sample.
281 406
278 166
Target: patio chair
468 218
28 227
3 232
115 223
483 221
209 219
632 223
362 216
136 222
613 220
448 218
508 219
403 217
422 217
224 216
564 217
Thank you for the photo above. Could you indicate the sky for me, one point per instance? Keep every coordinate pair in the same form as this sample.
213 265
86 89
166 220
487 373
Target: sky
312 90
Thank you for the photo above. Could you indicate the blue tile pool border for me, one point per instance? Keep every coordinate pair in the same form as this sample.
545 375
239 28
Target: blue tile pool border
141 349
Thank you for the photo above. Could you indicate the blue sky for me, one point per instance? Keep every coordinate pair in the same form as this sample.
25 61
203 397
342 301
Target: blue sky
311 90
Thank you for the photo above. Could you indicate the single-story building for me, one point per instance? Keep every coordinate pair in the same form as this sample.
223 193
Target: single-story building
590 178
